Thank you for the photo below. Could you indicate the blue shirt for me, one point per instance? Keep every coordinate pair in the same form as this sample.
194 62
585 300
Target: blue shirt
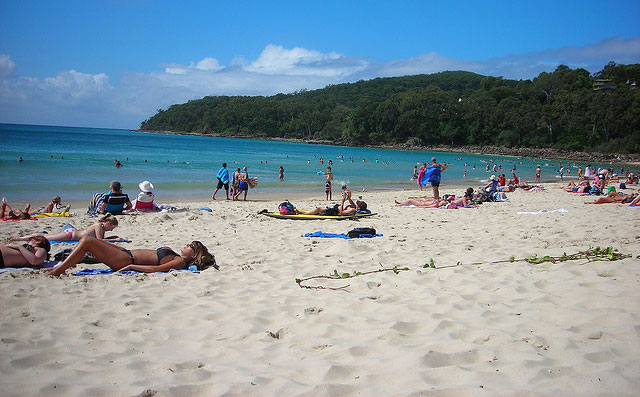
223 175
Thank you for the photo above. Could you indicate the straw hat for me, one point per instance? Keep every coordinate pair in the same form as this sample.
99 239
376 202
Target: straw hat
146 186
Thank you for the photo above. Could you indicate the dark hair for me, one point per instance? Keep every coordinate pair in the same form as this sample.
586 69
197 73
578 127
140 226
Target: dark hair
224 164
361 205
469 192
203 258
43 243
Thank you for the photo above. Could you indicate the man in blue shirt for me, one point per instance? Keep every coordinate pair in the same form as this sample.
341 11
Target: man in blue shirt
223 180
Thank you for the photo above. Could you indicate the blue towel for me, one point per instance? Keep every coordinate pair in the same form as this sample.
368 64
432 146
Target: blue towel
90 272
342 235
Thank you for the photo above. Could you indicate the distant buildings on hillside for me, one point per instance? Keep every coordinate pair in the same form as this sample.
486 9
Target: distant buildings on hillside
607 85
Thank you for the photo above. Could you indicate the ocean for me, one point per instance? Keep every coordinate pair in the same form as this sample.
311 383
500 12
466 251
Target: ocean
76 162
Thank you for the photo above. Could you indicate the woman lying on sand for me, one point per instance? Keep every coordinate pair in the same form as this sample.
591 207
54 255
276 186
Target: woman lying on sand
10 213
427 202
106 223
31 254
614 197
141 260
582 187
343 209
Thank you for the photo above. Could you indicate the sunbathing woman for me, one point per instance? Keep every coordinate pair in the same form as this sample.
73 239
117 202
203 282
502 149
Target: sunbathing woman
31 254
141 260
423 203
106 223
464 201
9 213
583 187
349 210
55 203
614 197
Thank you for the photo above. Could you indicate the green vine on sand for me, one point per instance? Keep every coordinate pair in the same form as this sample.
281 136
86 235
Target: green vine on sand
591 255
340 276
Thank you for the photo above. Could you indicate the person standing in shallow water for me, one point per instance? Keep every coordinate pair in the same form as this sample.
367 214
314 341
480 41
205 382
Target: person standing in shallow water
281 173
223 180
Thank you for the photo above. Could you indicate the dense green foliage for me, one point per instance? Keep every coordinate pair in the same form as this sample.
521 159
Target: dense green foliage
560 110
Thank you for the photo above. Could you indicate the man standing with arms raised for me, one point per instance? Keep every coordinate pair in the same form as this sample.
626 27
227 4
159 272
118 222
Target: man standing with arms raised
223 180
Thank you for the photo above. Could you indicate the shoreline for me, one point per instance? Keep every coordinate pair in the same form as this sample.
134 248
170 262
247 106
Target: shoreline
541 153
454 187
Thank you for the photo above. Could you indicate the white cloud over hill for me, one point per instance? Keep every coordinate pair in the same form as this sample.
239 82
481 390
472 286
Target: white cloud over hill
76 98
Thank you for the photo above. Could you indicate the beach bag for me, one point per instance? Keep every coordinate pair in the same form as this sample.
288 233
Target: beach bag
87 258
286 208
355 233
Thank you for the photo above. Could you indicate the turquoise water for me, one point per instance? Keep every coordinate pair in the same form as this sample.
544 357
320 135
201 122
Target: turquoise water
76 162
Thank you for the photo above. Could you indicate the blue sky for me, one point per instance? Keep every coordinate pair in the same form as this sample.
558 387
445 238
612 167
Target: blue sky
113 63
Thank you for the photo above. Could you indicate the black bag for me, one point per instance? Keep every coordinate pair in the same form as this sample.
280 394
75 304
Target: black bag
332 211
355 233
87 258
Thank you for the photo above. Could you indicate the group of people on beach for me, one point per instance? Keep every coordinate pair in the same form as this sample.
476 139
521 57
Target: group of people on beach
238 184
93 239
603 182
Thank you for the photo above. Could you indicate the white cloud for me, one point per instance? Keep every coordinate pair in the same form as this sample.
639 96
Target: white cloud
76 98
7 67
209 64
276 60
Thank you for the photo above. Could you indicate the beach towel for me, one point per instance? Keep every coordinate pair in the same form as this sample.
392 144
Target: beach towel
45 264
432 174
92 272
341 235
96 203
10 219
52 214
561 210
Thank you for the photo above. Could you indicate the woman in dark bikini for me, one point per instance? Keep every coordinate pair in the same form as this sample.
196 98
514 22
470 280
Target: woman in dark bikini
31 254
141 260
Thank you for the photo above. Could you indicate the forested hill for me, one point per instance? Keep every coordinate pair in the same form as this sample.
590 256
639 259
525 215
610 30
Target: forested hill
567 109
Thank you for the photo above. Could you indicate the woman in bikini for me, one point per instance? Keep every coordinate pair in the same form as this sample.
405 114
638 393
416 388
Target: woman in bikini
141 260
106 223
10 213
31 254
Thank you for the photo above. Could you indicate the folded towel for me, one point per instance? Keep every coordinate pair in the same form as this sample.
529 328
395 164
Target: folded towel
561 210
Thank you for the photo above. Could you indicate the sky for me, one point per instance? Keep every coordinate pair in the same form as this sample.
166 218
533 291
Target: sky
113 63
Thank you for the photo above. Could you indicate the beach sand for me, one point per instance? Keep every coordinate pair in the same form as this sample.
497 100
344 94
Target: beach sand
567 328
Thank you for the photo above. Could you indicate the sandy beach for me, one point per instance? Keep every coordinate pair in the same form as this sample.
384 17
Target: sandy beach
511 328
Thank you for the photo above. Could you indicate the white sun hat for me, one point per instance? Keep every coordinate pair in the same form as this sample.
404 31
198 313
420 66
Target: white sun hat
146 186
